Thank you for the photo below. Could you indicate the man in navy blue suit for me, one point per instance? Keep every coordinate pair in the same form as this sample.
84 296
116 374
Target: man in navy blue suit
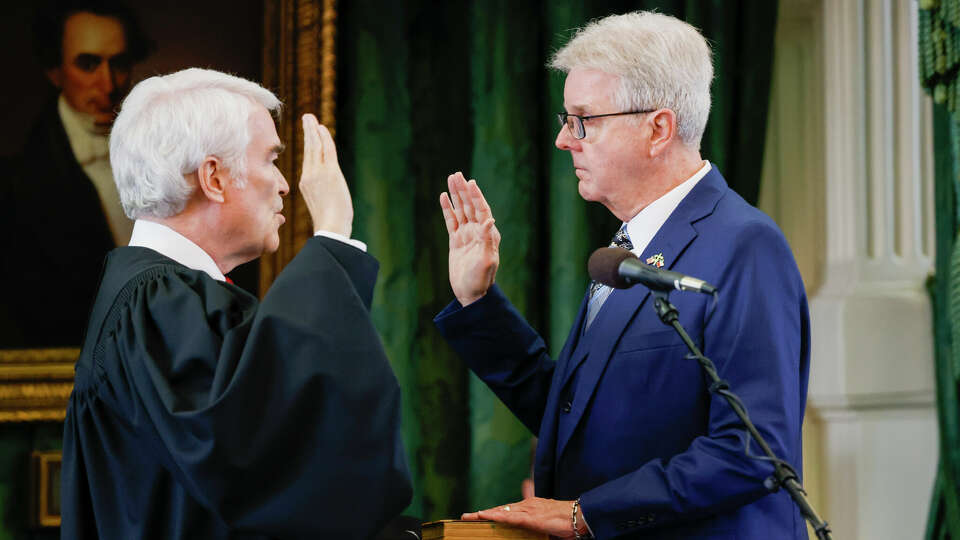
631 442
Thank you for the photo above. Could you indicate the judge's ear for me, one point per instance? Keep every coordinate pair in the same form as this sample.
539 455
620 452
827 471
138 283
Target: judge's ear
663 124
55 76
212 178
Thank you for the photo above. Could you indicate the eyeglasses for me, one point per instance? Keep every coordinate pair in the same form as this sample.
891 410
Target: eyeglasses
575 122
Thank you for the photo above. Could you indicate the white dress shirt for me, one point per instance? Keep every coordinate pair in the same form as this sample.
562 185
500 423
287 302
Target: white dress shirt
91 149
355 243
170 243
645 225
641 229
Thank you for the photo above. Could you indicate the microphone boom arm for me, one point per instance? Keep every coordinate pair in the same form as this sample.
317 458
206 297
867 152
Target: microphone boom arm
783 474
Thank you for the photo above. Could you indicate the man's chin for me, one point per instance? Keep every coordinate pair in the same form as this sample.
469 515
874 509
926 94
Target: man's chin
585 192
103 124
272 245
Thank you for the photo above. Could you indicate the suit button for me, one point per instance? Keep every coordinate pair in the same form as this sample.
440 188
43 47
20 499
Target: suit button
566 407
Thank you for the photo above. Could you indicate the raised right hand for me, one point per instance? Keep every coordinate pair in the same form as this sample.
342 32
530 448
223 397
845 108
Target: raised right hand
474 239
322 184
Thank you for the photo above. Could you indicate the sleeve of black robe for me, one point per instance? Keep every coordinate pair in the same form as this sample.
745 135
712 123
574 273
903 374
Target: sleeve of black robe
282 419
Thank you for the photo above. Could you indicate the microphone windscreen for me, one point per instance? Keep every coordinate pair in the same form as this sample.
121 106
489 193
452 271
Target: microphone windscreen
604 266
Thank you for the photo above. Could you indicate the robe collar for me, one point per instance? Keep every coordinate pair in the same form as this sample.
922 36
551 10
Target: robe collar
174 245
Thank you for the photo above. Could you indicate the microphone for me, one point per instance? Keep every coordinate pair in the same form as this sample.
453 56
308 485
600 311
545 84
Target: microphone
621 269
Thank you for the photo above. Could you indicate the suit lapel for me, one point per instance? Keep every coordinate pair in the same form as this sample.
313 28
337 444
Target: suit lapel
622 306
569 362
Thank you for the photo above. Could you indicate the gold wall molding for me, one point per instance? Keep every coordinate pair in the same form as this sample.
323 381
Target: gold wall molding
35 384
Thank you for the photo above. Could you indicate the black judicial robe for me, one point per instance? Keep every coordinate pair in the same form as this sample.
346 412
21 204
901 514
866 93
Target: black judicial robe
199 412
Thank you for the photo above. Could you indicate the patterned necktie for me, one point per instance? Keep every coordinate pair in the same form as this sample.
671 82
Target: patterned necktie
598 291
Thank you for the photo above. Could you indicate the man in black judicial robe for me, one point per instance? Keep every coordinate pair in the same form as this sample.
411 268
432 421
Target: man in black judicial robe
199 412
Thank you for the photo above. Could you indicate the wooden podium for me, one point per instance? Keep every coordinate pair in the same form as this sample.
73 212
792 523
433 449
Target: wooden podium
454 529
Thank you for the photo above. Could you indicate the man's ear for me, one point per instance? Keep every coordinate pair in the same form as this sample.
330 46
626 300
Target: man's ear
212 178
55 76
663 125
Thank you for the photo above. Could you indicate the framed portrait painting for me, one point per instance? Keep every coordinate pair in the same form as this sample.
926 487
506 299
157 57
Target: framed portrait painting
73 63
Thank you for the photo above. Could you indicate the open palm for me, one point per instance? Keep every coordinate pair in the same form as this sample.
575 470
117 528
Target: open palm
322 184
474 239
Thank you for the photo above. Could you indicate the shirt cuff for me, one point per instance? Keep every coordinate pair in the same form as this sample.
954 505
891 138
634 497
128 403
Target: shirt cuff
355 243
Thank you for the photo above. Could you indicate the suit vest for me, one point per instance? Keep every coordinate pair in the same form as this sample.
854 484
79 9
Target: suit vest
578 358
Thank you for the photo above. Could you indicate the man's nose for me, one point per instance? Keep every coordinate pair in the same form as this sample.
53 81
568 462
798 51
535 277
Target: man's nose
106 78
565 140
284 187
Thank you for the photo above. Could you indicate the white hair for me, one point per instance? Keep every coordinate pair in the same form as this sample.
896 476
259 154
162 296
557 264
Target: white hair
169 124
662 62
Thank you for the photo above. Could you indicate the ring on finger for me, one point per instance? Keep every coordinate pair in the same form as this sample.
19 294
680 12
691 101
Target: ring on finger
506 508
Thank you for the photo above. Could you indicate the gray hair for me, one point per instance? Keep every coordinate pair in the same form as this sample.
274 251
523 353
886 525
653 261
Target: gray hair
662 62
169 124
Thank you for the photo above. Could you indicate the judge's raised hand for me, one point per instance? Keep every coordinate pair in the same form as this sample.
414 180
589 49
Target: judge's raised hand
322 183
474 239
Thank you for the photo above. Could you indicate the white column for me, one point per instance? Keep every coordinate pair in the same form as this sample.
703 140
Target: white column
848 175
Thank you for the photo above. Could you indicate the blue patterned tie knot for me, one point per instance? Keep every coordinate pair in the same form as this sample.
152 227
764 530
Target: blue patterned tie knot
621 240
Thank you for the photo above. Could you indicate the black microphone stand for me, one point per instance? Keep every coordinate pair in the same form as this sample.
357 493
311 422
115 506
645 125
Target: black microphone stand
783 474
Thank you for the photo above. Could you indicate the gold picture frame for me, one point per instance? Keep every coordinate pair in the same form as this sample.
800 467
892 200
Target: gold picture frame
45 488
298 61
294 32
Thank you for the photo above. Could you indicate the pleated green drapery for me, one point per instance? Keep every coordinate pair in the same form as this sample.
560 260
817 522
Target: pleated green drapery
429 88
939 35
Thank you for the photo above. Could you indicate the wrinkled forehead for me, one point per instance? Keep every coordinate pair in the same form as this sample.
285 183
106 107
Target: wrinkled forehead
589 91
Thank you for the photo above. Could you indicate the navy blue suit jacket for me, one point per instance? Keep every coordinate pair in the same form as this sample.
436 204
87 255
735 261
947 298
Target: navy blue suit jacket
625 421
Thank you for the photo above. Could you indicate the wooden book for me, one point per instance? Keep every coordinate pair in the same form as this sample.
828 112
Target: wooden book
454 529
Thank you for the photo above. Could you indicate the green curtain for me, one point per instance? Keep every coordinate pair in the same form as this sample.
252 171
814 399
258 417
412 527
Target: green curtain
939 47
429 88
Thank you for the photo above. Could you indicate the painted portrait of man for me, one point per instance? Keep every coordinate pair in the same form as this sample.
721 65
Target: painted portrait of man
65 213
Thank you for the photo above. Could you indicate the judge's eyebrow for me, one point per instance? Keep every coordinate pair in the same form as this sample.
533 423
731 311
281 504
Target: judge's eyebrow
278 149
